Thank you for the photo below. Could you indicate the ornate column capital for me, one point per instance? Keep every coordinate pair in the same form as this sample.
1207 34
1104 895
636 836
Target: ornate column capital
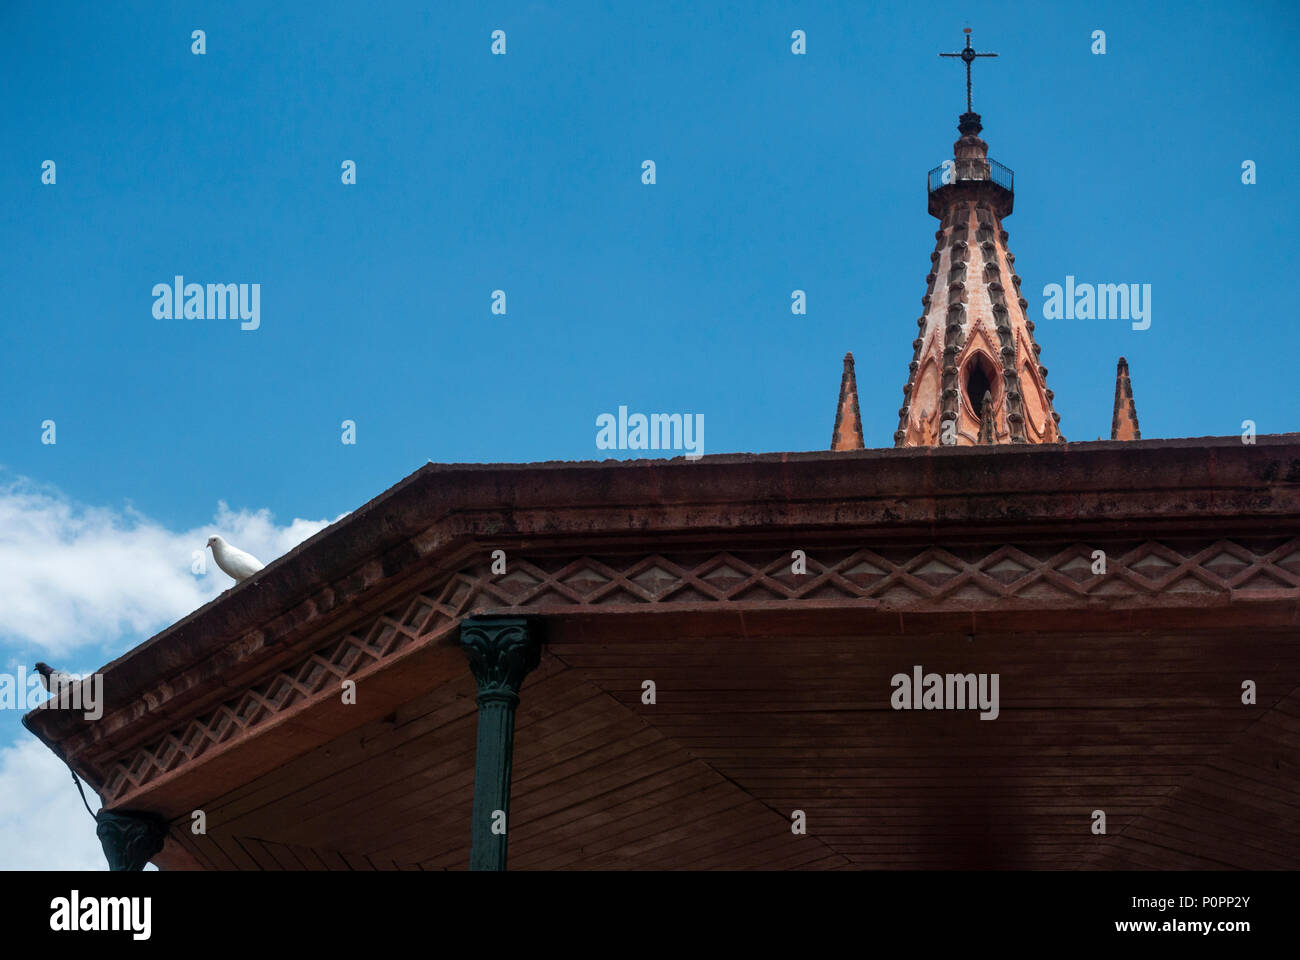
129 838
501 652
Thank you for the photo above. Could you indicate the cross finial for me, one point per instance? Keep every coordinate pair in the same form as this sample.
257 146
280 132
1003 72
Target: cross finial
968 56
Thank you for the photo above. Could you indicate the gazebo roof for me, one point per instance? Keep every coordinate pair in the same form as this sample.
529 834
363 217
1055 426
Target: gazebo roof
1198 534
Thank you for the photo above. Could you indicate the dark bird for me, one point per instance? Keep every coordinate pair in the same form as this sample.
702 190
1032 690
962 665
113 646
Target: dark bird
50 677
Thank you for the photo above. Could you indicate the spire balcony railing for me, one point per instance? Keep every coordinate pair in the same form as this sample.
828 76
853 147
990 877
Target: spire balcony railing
970 168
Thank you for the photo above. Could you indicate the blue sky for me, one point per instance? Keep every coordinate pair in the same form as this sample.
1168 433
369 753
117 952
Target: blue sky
522 172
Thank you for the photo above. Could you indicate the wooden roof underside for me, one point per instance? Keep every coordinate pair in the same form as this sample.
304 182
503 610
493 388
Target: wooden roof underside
1120 691
753 722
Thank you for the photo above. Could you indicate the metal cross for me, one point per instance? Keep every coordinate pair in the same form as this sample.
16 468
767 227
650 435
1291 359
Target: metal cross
968 56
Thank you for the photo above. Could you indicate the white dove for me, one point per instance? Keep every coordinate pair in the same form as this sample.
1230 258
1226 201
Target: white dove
232 560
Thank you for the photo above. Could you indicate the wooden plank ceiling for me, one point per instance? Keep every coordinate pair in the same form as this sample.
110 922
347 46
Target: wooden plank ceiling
755 719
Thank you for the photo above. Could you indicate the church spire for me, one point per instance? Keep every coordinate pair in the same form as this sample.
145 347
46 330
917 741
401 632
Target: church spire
975 336
1124 422
848 422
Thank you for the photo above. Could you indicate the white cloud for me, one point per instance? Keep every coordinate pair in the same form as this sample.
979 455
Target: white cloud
78 585
74 576
43 824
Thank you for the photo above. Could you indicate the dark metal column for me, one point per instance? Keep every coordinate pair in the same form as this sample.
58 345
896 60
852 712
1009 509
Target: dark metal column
501 651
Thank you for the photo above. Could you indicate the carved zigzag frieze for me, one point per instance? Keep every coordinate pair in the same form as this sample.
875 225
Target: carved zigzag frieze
928 579
425 615
934 577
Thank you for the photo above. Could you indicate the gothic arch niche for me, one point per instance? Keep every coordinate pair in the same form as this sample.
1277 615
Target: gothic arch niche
978 376
925 398
1033 401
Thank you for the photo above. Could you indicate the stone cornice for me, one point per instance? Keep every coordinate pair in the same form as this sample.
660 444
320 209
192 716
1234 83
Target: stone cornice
877 526
1053 578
